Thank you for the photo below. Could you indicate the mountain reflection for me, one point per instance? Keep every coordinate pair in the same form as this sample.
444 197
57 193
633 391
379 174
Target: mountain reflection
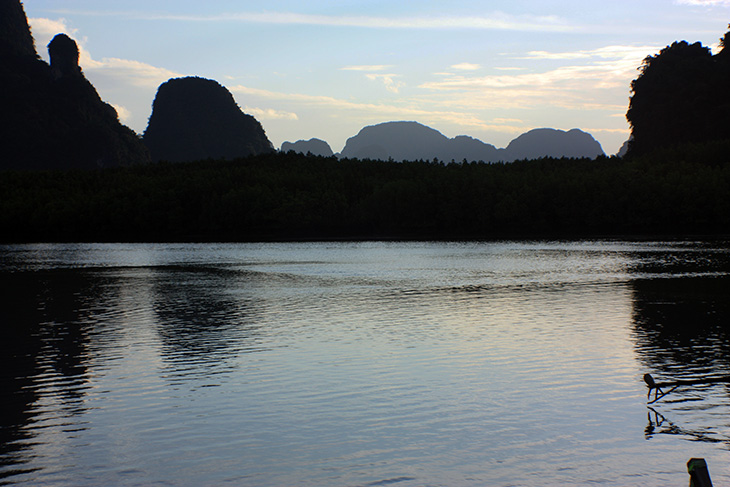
680 326
680 332
44 340
199 320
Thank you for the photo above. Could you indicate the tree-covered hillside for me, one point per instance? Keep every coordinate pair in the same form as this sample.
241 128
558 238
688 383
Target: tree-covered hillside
682 95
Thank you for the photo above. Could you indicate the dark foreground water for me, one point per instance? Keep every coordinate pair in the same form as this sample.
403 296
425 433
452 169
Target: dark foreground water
362 364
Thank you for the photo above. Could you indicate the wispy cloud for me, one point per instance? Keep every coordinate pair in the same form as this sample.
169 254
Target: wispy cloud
507 120
574 85
509 68
604 130
270 114
337 107
44 29
705 3
556 55
492 21
125 70
367 67
466 66
372 74
607 52
390 84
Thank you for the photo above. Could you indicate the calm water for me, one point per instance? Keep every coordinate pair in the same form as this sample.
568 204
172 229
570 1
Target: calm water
362 364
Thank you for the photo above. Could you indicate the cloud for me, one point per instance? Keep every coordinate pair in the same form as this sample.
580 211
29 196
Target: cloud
387 79
466 66
44 29
270 114
607 52
336 108
579 84
496 21
605 130
493 21
125 70
705 3
367 67
390 84
556 55
506 120
122 112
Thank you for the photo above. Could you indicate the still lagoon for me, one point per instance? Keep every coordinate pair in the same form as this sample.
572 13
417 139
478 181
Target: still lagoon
362 363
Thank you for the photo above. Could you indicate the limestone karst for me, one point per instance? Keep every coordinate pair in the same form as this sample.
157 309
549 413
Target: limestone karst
52 116
196 118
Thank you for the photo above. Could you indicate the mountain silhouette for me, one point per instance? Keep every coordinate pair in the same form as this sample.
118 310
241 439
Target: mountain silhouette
51 116
316 147
546 142
680 97
196 118
413 141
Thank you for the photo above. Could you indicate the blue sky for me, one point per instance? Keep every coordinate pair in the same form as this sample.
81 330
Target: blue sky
325 68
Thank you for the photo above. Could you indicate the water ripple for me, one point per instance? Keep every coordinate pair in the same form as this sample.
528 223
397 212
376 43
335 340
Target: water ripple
361 363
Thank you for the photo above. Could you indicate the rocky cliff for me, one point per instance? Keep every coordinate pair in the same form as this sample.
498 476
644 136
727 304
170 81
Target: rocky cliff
52 117
196 118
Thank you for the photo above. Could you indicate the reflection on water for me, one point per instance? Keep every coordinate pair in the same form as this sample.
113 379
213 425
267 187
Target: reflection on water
361 363
682 325
681 332
658 424
201 325
45 339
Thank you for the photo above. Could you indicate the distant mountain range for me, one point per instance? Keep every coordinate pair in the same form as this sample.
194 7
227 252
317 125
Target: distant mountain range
403 141
53 118
315 147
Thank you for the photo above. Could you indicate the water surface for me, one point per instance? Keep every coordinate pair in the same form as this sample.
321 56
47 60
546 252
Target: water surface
362 364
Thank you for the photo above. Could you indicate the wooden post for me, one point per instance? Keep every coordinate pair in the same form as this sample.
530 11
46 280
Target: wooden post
699 476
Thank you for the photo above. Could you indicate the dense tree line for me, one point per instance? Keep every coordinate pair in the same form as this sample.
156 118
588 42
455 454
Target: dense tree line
684 190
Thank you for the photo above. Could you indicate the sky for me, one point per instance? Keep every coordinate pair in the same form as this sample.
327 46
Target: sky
327 68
